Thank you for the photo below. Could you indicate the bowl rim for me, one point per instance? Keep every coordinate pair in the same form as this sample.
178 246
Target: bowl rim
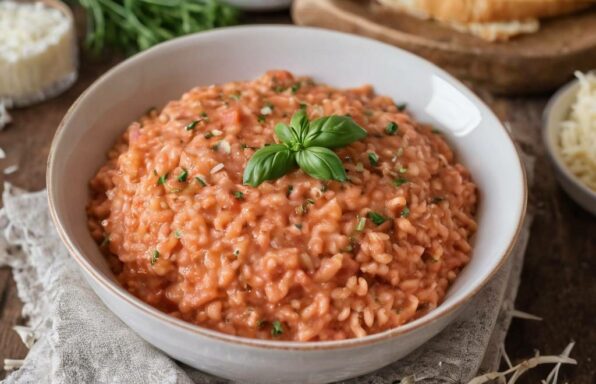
550 126
113 288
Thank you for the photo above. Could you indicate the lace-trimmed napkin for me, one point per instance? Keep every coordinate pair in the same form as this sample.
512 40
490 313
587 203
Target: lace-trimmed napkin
74 338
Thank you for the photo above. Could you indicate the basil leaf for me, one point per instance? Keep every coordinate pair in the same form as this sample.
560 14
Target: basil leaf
285 134
321 163
299 124
333 132
268 163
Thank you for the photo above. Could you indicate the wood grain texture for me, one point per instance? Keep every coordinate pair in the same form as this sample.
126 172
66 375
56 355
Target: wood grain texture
531 63
558 281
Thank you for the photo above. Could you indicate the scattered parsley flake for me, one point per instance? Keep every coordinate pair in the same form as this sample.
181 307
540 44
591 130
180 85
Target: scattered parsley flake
376 218
162 179
361 224
278 89
289 190
401 106
303 106
236 252
106 240
399 152
190 126
403 170
154 257
277 328
405 212
298 225
391 128
261 118
235 96
183 175
208 135
436 131
177 234
373 158
239 195
400 181
296 87
201 181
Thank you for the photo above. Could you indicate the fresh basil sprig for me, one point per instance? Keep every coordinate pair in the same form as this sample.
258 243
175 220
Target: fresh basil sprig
307 145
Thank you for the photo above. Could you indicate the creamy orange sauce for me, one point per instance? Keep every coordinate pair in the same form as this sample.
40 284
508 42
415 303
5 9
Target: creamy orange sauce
284 260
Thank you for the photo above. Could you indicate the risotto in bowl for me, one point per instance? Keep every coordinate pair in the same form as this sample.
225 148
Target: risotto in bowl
245 216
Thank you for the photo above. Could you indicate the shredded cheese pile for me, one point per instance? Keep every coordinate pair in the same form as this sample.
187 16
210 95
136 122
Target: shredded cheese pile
578 133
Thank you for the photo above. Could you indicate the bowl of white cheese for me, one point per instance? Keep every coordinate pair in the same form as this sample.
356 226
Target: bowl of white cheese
38 52
570 138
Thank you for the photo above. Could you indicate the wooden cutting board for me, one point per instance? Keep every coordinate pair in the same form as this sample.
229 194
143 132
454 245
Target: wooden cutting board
531 63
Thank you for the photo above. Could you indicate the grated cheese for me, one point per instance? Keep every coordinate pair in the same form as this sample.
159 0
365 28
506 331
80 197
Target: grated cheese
37 51
578 133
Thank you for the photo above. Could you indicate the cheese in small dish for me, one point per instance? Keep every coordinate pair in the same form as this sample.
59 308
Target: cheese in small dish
577 136
38 57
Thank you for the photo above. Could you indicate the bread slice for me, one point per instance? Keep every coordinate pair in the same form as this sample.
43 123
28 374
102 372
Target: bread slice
493 20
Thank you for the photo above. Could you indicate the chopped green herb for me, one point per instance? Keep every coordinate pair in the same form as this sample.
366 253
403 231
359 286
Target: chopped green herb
435 131
183 175
177 234
238 195
261 118
277 329
403 170
200 181
376 218
162 179
368 112
235 96
324 187
208 135
359 167
303 106
261 323
289 191
190 126
391 128
361 224
154 172
400 181
204 116
405 212
105 241
399 152
298 225
279 89
310 201
154 257
236 252
373 158
401 106
437 199
296 87
215 146
349 248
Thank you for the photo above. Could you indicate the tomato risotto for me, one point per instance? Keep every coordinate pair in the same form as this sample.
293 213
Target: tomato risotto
294 258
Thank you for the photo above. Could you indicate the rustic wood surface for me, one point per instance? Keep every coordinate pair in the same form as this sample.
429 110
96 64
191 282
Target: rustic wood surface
527 64
559 277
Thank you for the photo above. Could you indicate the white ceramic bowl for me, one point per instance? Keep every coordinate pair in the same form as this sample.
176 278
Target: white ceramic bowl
556 111
163 73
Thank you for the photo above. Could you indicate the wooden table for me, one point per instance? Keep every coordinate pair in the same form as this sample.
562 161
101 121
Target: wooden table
559 277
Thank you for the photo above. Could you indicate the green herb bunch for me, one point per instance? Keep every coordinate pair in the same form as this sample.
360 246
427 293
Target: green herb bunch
307 145
135 25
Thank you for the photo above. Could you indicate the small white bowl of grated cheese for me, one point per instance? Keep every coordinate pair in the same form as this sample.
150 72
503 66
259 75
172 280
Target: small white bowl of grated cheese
570 138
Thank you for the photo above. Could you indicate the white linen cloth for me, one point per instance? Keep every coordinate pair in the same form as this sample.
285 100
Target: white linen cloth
78 339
